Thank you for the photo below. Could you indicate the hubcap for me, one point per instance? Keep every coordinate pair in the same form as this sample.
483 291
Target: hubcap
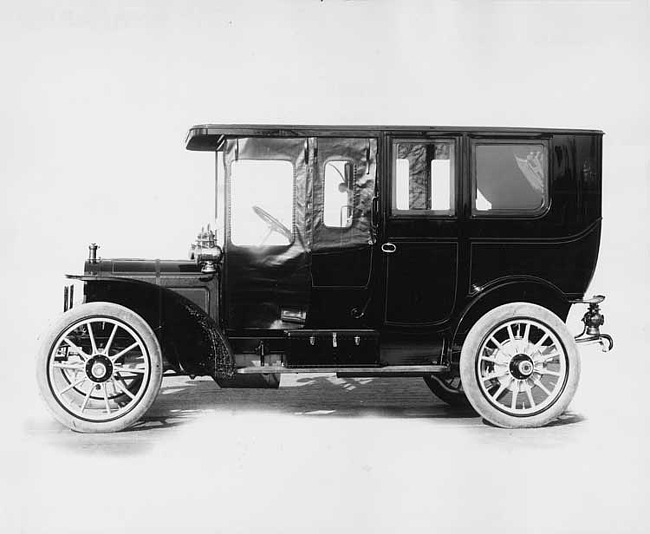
99 368
522 367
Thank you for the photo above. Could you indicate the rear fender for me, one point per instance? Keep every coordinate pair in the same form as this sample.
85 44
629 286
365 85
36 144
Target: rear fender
520 289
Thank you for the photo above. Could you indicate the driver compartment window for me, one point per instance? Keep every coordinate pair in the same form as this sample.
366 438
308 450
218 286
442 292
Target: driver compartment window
338 184
262 198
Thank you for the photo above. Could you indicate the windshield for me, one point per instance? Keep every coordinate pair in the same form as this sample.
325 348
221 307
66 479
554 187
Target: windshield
220 208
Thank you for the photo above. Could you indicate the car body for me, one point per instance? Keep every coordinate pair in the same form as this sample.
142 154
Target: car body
448 253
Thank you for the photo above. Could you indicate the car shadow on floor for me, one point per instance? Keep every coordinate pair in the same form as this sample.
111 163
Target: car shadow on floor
183 400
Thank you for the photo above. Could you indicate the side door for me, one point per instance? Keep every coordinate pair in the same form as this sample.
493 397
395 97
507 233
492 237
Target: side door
266 277
421 239
343 232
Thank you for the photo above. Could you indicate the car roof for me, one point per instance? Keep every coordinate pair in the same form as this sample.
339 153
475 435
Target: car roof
211 136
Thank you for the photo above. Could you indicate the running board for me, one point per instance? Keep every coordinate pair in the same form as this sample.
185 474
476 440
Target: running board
389 370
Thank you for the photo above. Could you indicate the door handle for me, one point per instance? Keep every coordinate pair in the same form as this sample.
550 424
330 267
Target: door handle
388 248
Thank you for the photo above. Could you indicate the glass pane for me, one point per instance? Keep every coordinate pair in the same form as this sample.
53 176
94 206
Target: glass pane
402 184
221 200
440 184
261 202
339 185
424 177
510 178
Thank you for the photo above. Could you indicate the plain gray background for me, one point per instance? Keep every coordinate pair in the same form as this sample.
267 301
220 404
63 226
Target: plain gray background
95 101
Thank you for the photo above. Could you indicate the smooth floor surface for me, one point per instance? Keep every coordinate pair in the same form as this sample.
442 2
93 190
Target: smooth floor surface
323 454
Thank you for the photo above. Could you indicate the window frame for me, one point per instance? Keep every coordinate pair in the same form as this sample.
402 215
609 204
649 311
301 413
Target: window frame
518 213
455 189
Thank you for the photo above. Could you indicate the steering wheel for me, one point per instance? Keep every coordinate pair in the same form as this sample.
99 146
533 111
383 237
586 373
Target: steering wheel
273 224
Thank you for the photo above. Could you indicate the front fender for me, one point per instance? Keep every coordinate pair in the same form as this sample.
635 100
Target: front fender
190 339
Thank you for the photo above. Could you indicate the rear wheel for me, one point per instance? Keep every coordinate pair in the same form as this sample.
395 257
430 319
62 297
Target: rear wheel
519 366
448 388
99 368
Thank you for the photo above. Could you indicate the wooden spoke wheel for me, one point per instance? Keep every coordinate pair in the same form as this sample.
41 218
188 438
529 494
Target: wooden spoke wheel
99 368
519 366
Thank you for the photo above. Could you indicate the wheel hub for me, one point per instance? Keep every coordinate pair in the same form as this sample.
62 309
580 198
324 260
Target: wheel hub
99 368
521 366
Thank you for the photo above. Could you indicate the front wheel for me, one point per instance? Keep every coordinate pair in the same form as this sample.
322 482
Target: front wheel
99 368
519 366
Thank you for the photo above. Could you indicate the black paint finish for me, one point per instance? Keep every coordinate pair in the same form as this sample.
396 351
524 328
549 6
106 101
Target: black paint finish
412 301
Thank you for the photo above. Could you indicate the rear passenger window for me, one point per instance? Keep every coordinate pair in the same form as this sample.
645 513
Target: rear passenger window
509 179
423 178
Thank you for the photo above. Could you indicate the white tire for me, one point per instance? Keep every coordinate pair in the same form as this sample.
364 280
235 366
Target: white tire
519 366
99 368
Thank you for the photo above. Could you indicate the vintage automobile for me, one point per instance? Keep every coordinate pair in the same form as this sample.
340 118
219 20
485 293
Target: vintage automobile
452 254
